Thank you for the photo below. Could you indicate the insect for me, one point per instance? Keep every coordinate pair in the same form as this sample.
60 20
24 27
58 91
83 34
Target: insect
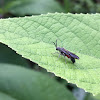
67 53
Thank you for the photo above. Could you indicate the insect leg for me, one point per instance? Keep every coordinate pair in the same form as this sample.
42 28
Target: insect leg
59 56
58 53
65 59
55 53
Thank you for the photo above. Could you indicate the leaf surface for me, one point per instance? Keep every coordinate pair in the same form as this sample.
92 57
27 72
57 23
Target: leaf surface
24 84
33 38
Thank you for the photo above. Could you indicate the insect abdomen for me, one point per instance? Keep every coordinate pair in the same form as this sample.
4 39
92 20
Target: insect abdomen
72 59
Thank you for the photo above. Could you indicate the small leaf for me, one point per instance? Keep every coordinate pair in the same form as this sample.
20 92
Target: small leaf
29 7
9 56
5 97
33 38
25 84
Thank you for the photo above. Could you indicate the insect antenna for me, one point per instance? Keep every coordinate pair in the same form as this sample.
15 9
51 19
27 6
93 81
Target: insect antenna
55 44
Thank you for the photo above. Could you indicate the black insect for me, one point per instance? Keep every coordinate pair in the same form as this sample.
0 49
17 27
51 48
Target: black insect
67 53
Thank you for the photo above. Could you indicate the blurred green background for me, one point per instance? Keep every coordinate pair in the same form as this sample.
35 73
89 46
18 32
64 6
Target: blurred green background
19 8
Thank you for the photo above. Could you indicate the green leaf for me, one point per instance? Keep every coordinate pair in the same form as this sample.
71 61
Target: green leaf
89 97
25 84
29 7
4 96
97 97
33 38
9 56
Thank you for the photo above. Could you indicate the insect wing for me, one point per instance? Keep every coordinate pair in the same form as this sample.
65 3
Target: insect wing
65 51
72 54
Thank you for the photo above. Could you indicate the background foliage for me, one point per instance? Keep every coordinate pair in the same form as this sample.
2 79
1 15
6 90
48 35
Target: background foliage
16 8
